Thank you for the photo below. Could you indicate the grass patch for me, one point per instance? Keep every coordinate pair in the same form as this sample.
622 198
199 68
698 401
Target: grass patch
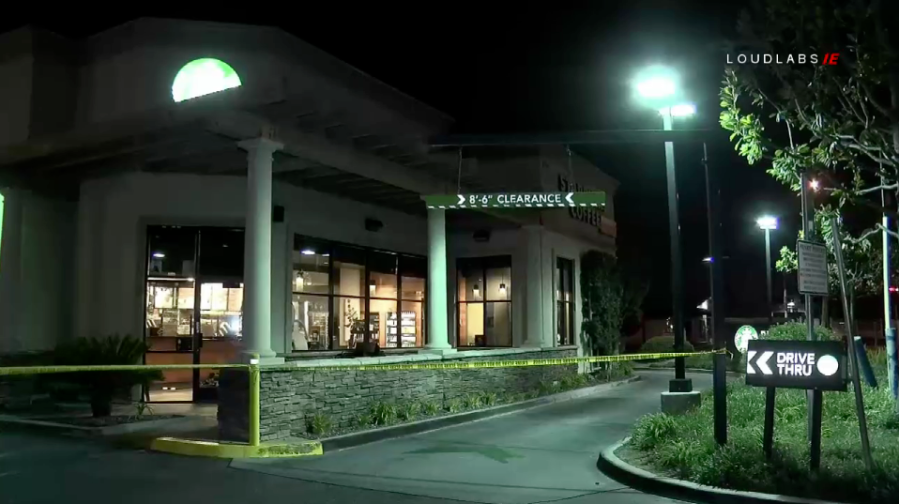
684 446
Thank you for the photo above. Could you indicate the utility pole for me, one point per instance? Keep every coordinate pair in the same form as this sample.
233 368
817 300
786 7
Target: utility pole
716 267
888 330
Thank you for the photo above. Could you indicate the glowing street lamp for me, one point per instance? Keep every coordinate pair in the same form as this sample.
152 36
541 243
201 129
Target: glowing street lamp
658 88
768 223
814 185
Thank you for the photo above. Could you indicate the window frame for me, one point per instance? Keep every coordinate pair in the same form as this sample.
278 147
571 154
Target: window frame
565 275
333 296
483 263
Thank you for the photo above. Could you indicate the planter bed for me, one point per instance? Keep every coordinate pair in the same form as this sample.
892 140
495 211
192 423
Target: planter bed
683 447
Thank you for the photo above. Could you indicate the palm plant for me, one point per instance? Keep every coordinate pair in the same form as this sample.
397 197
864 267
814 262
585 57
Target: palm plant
103 386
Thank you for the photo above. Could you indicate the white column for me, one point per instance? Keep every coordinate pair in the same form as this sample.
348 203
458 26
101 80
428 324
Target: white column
257 300
533 336
438 321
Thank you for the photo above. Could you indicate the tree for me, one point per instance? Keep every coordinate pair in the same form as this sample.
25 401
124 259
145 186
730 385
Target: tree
836 123
610 297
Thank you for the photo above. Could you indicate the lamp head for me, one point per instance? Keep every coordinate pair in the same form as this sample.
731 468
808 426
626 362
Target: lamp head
767 222
682 110
658 87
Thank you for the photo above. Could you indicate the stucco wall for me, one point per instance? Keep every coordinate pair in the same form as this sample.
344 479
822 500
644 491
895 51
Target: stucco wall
288 397
514 243
113 214
36 265
15 100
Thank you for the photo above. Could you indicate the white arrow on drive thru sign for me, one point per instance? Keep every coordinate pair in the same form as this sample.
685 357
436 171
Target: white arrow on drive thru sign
762 363
749 368
461 199
568 198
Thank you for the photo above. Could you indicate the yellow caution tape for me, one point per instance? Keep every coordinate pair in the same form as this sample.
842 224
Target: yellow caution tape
563 361
26 370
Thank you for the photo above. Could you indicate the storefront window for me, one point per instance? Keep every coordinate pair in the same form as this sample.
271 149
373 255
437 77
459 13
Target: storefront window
336 285
484 305
310 322
564 282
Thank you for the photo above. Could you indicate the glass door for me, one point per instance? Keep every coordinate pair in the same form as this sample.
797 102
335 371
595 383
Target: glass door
170 315
220 310
194 302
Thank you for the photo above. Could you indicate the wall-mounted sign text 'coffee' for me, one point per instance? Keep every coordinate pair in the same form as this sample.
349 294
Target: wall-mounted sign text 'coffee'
592 216
517 200
812 273
796 364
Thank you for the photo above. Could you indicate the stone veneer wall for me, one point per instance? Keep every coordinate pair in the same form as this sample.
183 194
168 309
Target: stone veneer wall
288 397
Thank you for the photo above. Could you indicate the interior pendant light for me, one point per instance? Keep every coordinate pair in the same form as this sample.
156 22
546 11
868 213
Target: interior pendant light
502 286
372 287
476 291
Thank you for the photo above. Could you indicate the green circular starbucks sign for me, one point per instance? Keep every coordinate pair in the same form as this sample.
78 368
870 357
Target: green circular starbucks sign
744 334
202 77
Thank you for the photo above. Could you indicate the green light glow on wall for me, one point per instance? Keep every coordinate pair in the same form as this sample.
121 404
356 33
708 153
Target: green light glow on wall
202 77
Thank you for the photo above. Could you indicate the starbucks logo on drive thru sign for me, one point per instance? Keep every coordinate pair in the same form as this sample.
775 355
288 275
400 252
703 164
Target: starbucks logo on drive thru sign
796 364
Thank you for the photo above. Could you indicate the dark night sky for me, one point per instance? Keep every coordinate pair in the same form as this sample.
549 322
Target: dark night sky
554 66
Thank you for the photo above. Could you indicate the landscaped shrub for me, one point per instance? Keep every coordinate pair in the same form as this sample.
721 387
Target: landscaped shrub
472 401
318 424
383 414
430 408
663 344
103 386
795 331
408 411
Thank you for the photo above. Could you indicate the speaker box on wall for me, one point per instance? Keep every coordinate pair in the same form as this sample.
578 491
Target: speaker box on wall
278 214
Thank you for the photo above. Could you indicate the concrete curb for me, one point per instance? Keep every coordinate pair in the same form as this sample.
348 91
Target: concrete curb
112 430
216 449
354 439
645 481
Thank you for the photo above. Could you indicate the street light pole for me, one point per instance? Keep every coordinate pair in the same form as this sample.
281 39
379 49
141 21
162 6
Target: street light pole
768 273
768 223
677 281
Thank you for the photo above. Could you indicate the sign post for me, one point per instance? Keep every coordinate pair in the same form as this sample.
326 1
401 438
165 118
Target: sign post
810 365
853 356
813 281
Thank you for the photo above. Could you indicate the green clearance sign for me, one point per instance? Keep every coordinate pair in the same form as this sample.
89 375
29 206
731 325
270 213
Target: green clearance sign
517 200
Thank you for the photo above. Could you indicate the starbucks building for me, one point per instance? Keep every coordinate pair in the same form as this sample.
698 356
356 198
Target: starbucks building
223 190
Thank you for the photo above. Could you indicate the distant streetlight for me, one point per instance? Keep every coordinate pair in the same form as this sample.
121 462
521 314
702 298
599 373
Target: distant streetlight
768 223
658 88
814 185
707 259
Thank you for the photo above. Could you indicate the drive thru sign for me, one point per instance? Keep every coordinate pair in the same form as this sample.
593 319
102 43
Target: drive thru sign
796 364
